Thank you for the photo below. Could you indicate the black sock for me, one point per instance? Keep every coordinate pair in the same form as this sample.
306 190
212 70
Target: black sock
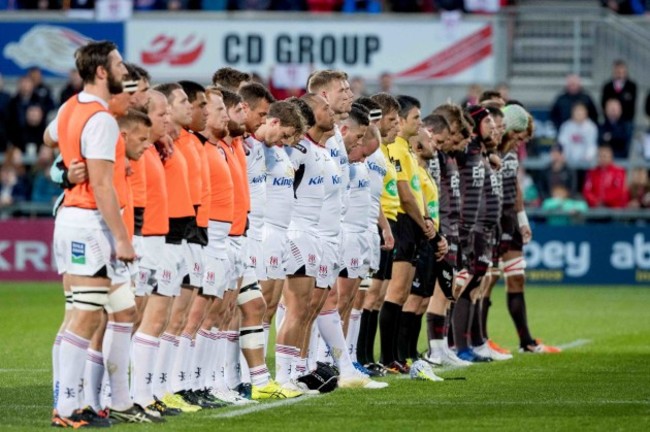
476 329
361 340
370 336
404 335
450 324
460 322
517 309
485 308
388 318
435 326
416 327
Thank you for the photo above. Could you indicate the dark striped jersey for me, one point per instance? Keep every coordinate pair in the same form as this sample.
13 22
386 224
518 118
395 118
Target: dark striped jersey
490 209
472 180
434 168
449 195
509 168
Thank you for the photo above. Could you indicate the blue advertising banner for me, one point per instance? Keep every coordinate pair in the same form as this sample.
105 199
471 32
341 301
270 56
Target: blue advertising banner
608 254
50 45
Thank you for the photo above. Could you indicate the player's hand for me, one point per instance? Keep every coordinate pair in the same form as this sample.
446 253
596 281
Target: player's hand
389 240
77 173
495 161
124 251
429 229
526 233
128 170
443 248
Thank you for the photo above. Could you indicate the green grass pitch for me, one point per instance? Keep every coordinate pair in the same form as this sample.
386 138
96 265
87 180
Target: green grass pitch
601 383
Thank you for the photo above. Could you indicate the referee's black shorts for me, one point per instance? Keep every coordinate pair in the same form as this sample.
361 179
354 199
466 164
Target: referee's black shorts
385 271
408 238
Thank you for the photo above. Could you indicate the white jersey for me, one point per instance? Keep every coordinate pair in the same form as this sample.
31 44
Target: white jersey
330 218
355 218
376 164
336 146
309 184
256 173
279 187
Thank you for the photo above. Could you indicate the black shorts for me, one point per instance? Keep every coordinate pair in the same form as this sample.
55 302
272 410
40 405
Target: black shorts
511 239
425 271
385 271
408 237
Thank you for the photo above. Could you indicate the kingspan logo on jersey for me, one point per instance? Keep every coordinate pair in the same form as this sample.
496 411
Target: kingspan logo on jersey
282 181
316 180
259 179
364 184
372 166
336 179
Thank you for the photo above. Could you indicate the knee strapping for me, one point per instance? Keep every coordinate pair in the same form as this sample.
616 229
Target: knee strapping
68 301
513 267
251 337
121 299
249 293
89 298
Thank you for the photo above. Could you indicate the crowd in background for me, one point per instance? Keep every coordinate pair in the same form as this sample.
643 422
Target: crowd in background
591 138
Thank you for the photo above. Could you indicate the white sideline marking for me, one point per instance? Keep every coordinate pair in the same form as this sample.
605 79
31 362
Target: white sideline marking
23 370
261 407
575 344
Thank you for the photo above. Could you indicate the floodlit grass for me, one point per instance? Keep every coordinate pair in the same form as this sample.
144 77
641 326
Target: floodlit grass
601 385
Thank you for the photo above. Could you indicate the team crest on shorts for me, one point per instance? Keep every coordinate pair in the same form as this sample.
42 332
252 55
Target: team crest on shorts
209 277
274 261
354 263
311 259
322 270
78 253
166 276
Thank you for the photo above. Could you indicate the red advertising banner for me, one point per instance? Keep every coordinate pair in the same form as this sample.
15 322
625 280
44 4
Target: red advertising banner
26 250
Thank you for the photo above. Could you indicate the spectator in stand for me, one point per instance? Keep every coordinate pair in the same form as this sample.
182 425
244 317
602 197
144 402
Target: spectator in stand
626 7
386 83
639 188
614 131
563 209
623 89
504 90
473 95
25 100
578 137
5 98
573 94
558 174
41 90
605 185
72 87
44 190
322 5
358 87
369 6
14 185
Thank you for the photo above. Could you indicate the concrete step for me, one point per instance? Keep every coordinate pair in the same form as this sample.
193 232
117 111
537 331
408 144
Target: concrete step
544 68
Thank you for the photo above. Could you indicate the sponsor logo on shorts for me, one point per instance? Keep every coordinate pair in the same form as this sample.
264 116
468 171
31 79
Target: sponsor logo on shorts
78 253
166 276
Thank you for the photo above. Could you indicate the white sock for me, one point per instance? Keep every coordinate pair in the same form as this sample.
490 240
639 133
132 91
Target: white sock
180 377
329 325
116 350
284 355
220 362
143 367
232 368
55 367
105 399
244 370
353 333
72 354
312 355
165 364
279 316
93 375
267 331
298 367
200 363
324 354
260 375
